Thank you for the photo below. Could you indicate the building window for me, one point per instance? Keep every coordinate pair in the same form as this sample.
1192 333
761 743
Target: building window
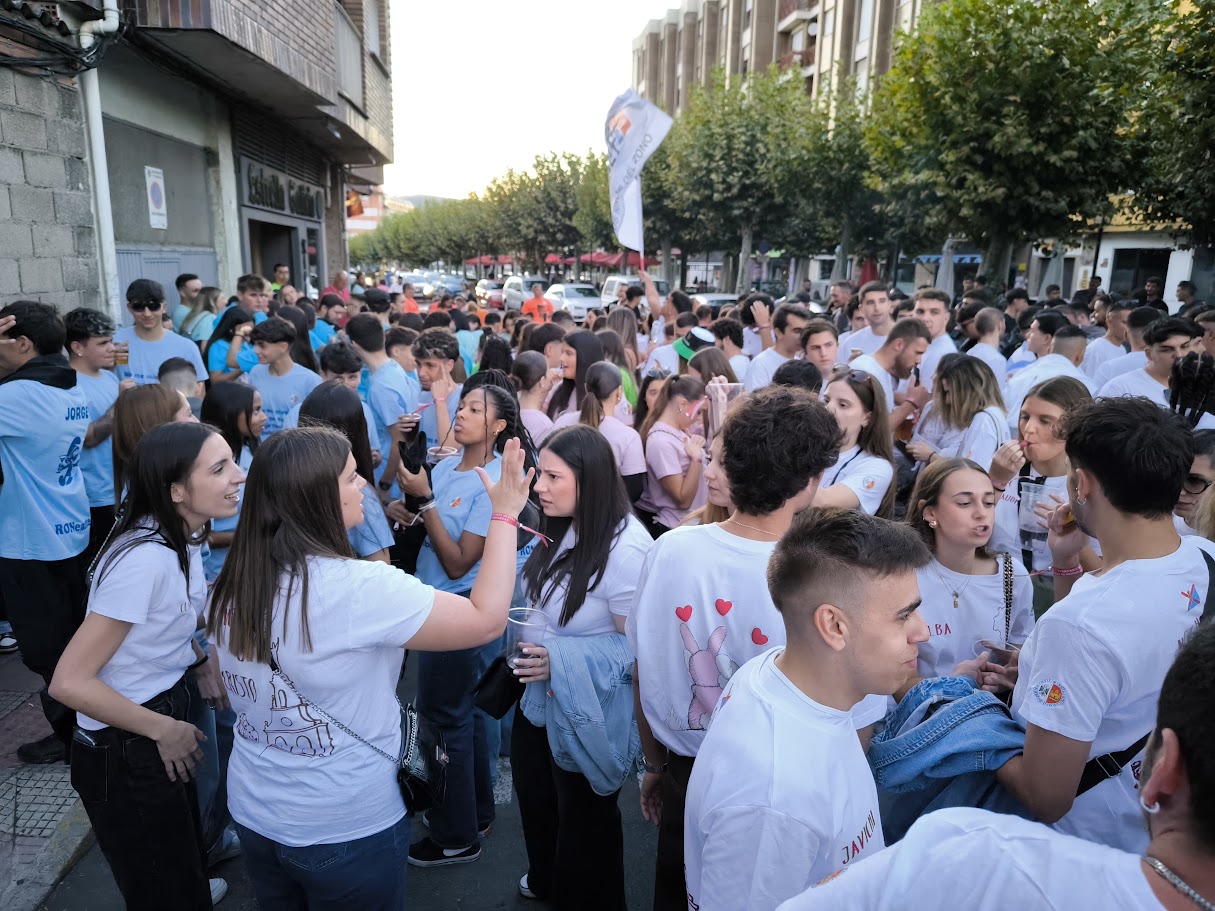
829 23
747 5
864 27
799 41
371 27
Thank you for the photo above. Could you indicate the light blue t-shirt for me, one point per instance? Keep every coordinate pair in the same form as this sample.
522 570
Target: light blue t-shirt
321 334
470 341
293 420
44 508
390 393
97 462
217 356
372 534
428 421
145 358
281 393
213 557
200 328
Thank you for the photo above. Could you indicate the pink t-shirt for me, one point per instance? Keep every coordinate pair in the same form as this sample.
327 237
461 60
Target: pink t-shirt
624 440
537 423
665 456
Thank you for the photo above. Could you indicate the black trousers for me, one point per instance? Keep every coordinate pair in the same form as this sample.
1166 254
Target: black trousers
574 839
101 522
670 886
147 826
45 602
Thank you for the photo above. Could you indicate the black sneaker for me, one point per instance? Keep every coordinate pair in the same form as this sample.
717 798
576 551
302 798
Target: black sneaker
43 752
481 833
426 853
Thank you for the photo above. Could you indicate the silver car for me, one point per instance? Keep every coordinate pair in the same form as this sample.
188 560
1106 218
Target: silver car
575 298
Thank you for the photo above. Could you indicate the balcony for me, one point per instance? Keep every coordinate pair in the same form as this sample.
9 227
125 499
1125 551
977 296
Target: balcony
791 12
800 59
348 57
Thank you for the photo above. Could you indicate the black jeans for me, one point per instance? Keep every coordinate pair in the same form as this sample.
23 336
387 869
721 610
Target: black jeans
147 826
670 886
575 843
101 523
45 602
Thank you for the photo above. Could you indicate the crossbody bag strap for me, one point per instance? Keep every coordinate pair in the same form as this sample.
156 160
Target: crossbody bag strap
1099 768
1008 594
1027 553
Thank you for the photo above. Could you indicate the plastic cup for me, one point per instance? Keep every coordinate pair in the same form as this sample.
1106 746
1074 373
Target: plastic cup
719 397
1001 653
436 454
524 624
122 355
1027 518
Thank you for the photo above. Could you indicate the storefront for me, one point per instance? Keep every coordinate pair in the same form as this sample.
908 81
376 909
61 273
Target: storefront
282 221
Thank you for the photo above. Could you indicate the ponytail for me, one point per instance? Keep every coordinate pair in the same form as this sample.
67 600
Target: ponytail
602 379
687 386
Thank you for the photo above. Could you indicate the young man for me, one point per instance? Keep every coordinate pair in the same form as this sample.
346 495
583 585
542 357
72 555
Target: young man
820 346
398 345
1187 294
188 288
787 325
692 630
377 305
330 315
755 312
781 796
1090 672
253 296
339 361
44 506
178 373
147 343
1102 350
1152 289
1167 340
875 306
932 309
282 276
1059 348
896 361
436 352
728 333
1053 293
988 327
409 303
538 307
1085 295
1137 323
837 304
391 392
282 382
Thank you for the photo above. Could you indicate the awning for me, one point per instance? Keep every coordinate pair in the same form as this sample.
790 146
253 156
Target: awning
553 259
966 259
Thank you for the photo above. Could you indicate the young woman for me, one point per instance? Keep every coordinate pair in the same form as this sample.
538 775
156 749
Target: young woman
301 346
531 377
861 477
134 754
334 404
967 397
603 396
457 515
1037 463
708 363
623 322
494 353
310 637
229 353
614 351
200 321
953 507
717 490
674 457
507 332
647 395
235 410
578 351
584 583
137 411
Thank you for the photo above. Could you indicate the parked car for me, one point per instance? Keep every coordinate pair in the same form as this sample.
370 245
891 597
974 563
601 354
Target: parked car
489 293
574 298
418 281
444 284
518 288
611 286
714 301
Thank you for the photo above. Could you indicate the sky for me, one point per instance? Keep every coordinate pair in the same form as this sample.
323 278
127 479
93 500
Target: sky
480 86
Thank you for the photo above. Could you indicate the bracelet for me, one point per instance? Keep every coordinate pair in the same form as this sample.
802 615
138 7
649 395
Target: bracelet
653 769
999 488
1069 572
765 326
199 663
503 517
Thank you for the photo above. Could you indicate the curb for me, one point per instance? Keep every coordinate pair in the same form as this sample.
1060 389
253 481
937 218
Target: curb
72 838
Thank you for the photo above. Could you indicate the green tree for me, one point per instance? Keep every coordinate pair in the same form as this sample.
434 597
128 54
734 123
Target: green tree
593 215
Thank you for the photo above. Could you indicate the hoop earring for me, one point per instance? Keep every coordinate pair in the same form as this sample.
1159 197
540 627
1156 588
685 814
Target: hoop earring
1081 501
932 524
1152 810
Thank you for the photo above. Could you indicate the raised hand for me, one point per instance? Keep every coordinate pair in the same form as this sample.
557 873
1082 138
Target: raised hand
509 495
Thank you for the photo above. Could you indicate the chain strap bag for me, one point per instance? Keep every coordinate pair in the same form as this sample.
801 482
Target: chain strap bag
422 765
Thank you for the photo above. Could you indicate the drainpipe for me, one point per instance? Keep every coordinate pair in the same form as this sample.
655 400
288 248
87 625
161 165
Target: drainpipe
98 166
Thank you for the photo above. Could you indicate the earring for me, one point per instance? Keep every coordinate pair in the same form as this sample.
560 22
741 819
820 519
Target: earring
1152 810
932 524
1080 501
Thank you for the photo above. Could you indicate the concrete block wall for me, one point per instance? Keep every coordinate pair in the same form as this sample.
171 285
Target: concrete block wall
47 244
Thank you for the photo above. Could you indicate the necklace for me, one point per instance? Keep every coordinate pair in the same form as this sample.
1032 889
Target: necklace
1178 883
762 531
957 593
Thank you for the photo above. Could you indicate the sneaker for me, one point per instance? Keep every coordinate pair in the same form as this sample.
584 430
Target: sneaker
227 848
481 833
8 643
426 853
523 889
42 752
219 888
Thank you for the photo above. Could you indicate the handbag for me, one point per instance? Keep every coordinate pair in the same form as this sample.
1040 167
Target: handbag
498 689
422 765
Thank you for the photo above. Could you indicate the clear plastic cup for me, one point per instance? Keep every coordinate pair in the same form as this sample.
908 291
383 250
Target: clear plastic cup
1001 653
436 454
122 355
1028 520
524 624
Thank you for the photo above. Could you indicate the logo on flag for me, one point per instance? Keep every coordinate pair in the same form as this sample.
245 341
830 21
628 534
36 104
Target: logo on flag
633 130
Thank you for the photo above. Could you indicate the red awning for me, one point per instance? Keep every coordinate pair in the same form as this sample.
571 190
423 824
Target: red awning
553 259
504 260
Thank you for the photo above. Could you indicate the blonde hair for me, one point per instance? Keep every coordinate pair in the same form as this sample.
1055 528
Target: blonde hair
972 388
1204 514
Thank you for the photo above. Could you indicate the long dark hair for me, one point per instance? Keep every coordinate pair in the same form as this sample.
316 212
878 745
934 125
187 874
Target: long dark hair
590 351
495 352
334 404
600 512
601 381
164 456
281 526
527 370
227 325
500 392
222 409
687 386
875 437
300 348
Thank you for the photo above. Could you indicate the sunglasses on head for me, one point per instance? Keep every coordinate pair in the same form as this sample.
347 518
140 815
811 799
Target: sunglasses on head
141 306
855 376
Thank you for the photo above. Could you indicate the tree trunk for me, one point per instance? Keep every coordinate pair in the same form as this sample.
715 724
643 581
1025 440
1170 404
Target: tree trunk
742 284
839 271
996 260
727 272
683 267
668 269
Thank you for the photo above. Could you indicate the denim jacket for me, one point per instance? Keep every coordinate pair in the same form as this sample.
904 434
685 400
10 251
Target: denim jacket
941 748
587 708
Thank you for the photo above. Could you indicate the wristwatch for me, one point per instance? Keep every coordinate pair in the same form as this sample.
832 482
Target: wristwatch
653 769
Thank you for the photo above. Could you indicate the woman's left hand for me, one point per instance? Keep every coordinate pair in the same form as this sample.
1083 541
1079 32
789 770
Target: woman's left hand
920 451
414 484
211 684
533 668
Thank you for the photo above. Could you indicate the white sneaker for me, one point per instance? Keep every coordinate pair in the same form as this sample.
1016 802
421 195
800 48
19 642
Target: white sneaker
219 888
523 889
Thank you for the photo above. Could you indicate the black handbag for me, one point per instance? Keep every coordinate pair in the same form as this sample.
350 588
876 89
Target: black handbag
498 689
422 765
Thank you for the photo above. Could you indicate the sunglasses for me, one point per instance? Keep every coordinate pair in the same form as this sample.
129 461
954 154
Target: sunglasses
141 306
1195 485
854 376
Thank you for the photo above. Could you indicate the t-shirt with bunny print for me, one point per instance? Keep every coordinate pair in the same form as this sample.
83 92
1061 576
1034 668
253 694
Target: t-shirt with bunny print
702 610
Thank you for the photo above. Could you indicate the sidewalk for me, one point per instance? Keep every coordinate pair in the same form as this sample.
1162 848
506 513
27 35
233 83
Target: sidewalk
43 827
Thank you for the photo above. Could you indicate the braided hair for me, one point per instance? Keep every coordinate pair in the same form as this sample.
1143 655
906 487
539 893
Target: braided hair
499 389
1190 386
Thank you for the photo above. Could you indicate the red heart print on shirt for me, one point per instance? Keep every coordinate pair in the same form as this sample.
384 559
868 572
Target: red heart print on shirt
723 607
684 613
758 637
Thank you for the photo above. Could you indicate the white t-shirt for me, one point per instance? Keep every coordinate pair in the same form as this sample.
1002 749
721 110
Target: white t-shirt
294 777
864 338
612 597
664 356
1099 351
1092 671
1117 366
867 364
740 364
1133 383
983 861
986 433
145 587
1044 368
992 357
932 429
866 475
1007 535
979 615
781 796
937 349
753 342
762 367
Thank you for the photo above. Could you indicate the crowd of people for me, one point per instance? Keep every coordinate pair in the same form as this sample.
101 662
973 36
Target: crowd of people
857 591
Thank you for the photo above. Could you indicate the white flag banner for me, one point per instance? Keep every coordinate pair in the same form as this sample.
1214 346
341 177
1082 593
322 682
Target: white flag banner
633 130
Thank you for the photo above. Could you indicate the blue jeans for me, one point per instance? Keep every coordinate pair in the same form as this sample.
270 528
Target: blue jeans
367 874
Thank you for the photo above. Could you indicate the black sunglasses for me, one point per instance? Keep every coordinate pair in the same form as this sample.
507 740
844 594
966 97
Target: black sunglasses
141 306
1195 485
